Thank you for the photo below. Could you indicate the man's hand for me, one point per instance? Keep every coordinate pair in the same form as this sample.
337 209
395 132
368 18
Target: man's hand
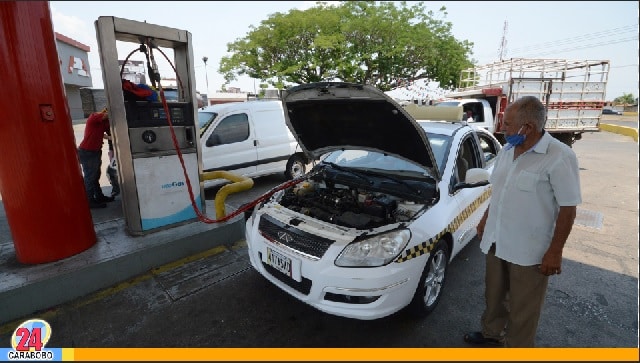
483 221
552 259
551 263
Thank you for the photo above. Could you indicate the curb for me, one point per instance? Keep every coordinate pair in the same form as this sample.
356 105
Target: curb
115 258
622 130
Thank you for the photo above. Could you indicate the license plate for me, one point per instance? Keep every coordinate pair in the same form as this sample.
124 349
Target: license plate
279 261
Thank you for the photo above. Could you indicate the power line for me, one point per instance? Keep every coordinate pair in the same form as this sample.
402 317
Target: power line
585 37
593 45
604 34
626 65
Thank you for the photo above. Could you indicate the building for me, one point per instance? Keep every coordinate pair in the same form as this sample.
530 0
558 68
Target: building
75 70
234 94
133 71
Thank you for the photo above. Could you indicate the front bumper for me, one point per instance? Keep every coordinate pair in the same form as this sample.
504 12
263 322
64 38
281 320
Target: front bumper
355 292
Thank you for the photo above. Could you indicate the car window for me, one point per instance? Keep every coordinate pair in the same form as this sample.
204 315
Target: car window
466 158
473 112
233 128
171 95
205 117
488 146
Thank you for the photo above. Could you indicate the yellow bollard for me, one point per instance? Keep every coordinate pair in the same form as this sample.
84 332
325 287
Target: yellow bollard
239 183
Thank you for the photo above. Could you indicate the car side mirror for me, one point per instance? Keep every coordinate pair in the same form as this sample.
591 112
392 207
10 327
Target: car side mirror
475 177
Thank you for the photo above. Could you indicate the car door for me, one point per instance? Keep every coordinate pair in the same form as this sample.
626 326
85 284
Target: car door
471 201
228 144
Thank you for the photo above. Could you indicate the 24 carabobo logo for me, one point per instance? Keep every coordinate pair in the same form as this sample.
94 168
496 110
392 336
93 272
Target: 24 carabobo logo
29 339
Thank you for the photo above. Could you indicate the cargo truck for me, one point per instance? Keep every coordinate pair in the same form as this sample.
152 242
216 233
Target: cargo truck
572 91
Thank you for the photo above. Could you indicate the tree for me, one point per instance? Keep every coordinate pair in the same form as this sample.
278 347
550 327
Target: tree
368 42
626 99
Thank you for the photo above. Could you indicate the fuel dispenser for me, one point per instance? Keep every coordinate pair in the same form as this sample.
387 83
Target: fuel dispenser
156 143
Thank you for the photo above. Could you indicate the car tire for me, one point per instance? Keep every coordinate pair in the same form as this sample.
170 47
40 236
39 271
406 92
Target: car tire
296 166
432 281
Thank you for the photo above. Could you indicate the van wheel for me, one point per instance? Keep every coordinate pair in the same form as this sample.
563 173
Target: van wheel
429 289
296 167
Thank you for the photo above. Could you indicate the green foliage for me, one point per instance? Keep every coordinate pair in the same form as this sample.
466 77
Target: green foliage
626 99
368 42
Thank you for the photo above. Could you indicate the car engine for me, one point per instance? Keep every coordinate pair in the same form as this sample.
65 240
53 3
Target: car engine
348 206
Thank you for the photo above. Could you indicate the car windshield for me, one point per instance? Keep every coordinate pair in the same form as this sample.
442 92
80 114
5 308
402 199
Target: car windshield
205 117
380 161
371 160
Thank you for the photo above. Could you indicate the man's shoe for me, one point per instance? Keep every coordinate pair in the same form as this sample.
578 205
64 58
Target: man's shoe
93 204
104 199
476 338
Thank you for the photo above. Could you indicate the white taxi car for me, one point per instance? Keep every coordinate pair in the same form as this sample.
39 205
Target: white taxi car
371 229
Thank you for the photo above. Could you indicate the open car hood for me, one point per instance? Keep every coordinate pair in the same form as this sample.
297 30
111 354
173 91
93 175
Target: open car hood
328 116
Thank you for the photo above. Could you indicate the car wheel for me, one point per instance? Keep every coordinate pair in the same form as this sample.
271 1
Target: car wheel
296 167
429 289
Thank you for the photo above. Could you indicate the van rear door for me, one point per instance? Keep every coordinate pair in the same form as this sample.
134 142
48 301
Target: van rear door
228 144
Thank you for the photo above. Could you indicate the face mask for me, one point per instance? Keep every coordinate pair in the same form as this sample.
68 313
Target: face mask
516 139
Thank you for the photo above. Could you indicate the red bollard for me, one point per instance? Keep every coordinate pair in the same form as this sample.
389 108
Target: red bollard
40 175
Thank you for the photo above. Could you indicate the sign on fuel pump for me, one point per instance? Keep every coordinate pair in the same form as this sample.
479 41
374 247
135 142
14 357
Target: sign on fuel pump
156 142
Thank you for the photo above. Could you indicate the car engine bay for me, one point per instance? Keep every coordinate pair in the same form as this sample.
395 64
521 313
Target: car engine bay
351 204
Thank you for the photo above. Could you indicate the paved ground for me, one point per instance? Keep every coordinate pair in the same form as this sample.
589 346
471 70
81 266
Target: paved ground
215 300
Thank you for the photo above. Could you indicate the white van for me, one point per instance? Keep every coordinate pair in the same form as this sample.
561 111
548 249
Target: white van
250 139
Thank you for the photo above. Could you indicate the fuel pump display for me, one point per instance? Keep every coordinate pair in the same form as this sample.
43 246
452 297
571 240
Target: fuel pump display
159 156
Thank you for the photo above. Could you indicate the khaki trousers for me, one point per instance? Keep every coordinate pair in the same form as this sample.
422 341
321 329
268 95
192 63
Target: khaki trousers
514 296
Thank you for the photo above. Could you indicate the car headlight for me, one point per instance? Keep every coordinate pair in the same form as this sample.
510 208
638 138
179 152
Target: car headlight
377 250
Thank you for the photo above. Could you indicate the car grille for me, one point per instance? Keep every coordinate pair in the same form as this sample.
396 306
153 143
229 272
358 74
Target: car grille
304 242
303 286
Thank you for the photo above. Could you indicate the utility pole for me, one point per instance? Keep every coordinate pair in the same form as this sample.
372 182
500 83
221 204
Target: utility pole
502 51
206 77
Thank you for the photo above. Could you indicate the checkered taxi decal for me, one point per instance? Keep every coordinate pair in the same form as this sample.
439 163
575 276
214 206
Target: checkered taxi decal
427 246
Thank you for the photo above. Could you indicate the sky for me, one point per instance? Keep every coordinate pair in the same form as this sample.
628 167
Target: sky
584 30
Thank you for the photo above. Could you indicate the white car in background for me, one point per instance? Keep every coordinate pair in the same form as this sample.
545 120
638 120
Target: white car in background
371 229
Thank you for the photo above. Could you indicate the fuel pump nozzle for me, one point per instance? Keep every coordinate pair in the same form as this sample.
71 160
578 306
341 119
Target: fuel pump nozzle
152 67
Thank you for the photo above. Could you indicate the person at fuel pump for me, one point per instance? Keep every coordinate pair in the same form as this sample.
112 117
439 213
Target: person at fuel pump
90 155
535 191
